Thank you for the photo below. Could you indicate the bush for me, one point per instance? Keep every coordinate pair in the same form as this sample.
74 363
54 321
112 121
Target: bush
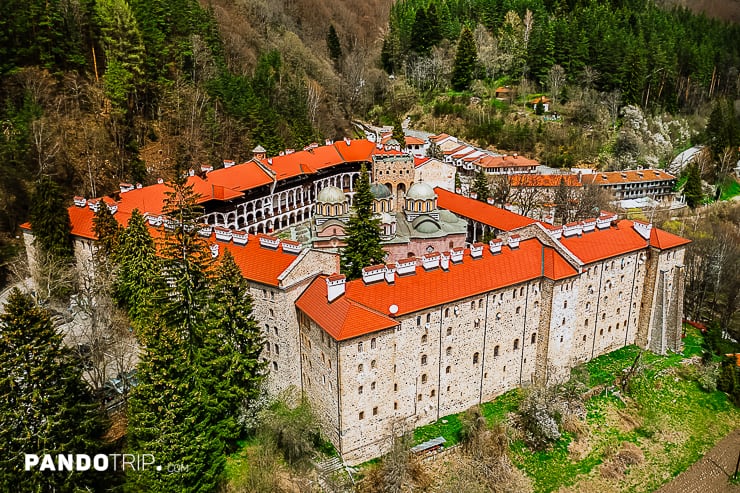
293 429
540 416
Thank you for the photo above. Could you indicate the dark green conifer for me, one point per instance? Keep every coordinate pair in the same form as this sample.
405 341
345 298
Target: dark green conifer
466 60
50 222
45 407
692 189
481 186
363 241
333 45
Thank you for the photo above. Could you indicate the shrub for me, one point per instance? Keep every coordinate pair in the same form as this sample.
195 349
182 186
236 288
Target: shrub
540 416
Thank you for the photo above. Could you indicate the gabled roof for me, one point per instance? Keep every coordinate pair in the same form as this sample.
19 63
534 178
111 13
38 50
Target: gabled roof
241 177
665 240
480 211
258 263
365 308
505 161
420 161
411 140
526 180
627 176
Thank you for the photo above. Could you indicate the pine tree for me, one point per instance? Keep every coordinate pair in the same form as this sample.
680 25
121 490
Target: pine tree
45 407
333 45
107 230
138 276
466 60
481 187
692 189
52 228
363 232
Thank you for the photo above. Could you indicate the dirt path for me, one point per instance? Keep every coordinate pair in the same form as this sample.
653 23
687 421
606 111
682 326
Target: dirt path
710 474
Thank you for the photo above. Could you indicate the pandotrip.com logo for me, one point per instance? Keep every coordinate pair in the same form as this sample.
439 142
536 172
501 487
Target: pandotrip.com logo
97 462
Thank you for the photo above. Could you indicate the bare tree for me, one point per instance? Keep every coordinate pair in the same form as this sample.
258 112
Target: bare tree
612 100
528 199
500 189
314 96
555 81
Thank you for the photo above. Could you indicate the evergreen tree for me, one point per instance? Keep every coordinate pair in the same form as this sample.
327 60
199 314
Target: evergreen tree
420 30
466 59
723 127
107 230
363 232
692 189
333 45
52 228
138 278
481 187
45 407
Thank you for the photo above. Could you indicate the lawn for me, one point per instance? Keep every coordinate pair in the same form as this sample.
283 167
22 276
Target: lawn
667 416
730 189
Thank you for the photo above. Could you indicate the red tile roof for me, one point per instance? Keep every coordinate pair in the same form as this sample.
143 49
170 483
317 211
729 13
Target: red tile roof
525 180
505 162
418 161
627 176
410 140
258 263
437 138
665 240
364 308
241 177
481 212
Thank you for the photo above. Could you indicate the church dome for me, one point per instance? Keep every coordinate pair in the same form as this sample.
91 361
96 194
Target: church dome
331 195
380 191
425 224
447 216
420 191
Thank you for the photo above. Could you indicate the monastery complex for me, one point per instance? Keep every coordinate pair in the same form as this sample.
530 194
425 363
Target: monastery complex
447 322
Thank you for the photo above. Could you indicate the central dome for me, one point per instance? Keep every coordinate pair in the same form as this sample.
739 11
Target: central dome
380 191
420 190
331 195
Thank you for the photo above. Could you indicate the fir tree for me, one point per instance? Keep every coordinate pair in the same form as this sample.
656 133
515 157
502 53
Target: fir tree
466 59
481 187
45 407
363 232
138 278
107 230
52 228
692 189
333 45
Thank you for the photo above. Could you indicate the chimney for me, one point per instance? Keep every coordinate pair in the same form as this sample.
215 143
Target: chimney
456 254
473 195
604 220
335 286
347 141
373 273
643 228
572 229
160 181
390 273
430 260
139 185
228 163
514 241
259 152
476 250
328 142
444 260
125 187
269 161
155 220
214 250
269 242
113 208
556 233
240 237
223 234
206 168
495 245
205 230
589 225
406 266
191 172
291 246
80 201
490 201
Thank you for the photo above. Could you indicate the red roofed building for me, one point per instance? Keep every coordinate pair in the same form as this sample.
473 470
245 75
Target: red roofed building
635 184
506 164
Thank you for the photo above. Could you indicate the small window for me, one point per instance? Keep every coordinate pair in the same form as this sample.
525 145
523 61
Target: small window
588 305
447 312
395 387
516 343
475 358
373 364
395 406
362 414
424 378
360 367
429 317
448 351
359 347
424 339
565 304
603 316
585 324
513 295
373 343
563 322
418 397
584 338
480 303
448 369
601 332
274 365
272 313
375 411
432 393
449 331
277 349
561 338
534 337
518 309
498 316
472 305
359 389
618 310
495 351
418 320
521 291
372 386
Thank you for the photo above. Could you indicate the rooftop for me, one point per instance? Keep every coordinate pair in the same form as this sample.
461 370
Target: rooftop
480 211
627 176
543 180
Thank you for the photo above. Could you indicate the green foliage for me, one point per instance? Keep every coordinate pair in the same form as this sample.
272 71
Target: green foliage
333 45
481 186
692 190
50 221
292 427
363 232
45 406
723 128
466 61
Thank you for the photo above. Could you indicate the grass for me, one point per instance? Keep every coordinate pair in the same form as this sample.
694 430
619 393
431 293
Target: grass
676 423
730 188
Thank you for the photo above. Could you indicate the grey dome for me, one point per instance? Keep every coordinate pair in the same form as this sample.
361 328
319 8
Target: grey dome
447 216
331 195
425 224
380 191
421 191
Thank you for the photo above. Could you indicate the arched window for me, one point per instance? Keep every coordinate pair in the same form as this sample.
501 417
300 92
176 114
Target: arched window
373 343
449 331
448 369
448 351
429 317
534 337
373 364
518 309
516 343
565 304
424 339
359 347
495 351
472 305
360 367
423 359
475 358
447 312
424 378
521 291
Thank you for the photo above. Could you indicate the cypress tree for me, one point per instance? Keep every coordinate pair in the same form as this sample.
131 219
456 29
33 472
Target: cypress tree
363 240
333 44
481 186
466 59
45 407
52 228
692 189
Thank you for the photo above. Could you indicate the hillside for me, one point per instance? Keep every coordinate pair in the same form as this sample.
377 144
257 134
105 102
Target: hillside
728 10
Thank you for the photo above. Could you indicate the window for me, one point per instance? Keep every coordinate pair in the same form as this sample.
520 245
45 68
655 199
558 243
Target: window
618 309
609 329
584 338
518 309
588 305
448 351
495 351
476 324
423 359
375 411
563 322
534 337
362 414
475 358
373 364
585 324
536 304
429 317
449 331
513 296
448 369
561 338
498 316
418 397
480 303
601 332
424 339
418 320
359 347
424 378
565 304
267 346
432 393
272 313
373 343
603 316
372 386
447 312
472 305
521 291
274 365
360 367
359 389
395 406
395 387
277 349
516 343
